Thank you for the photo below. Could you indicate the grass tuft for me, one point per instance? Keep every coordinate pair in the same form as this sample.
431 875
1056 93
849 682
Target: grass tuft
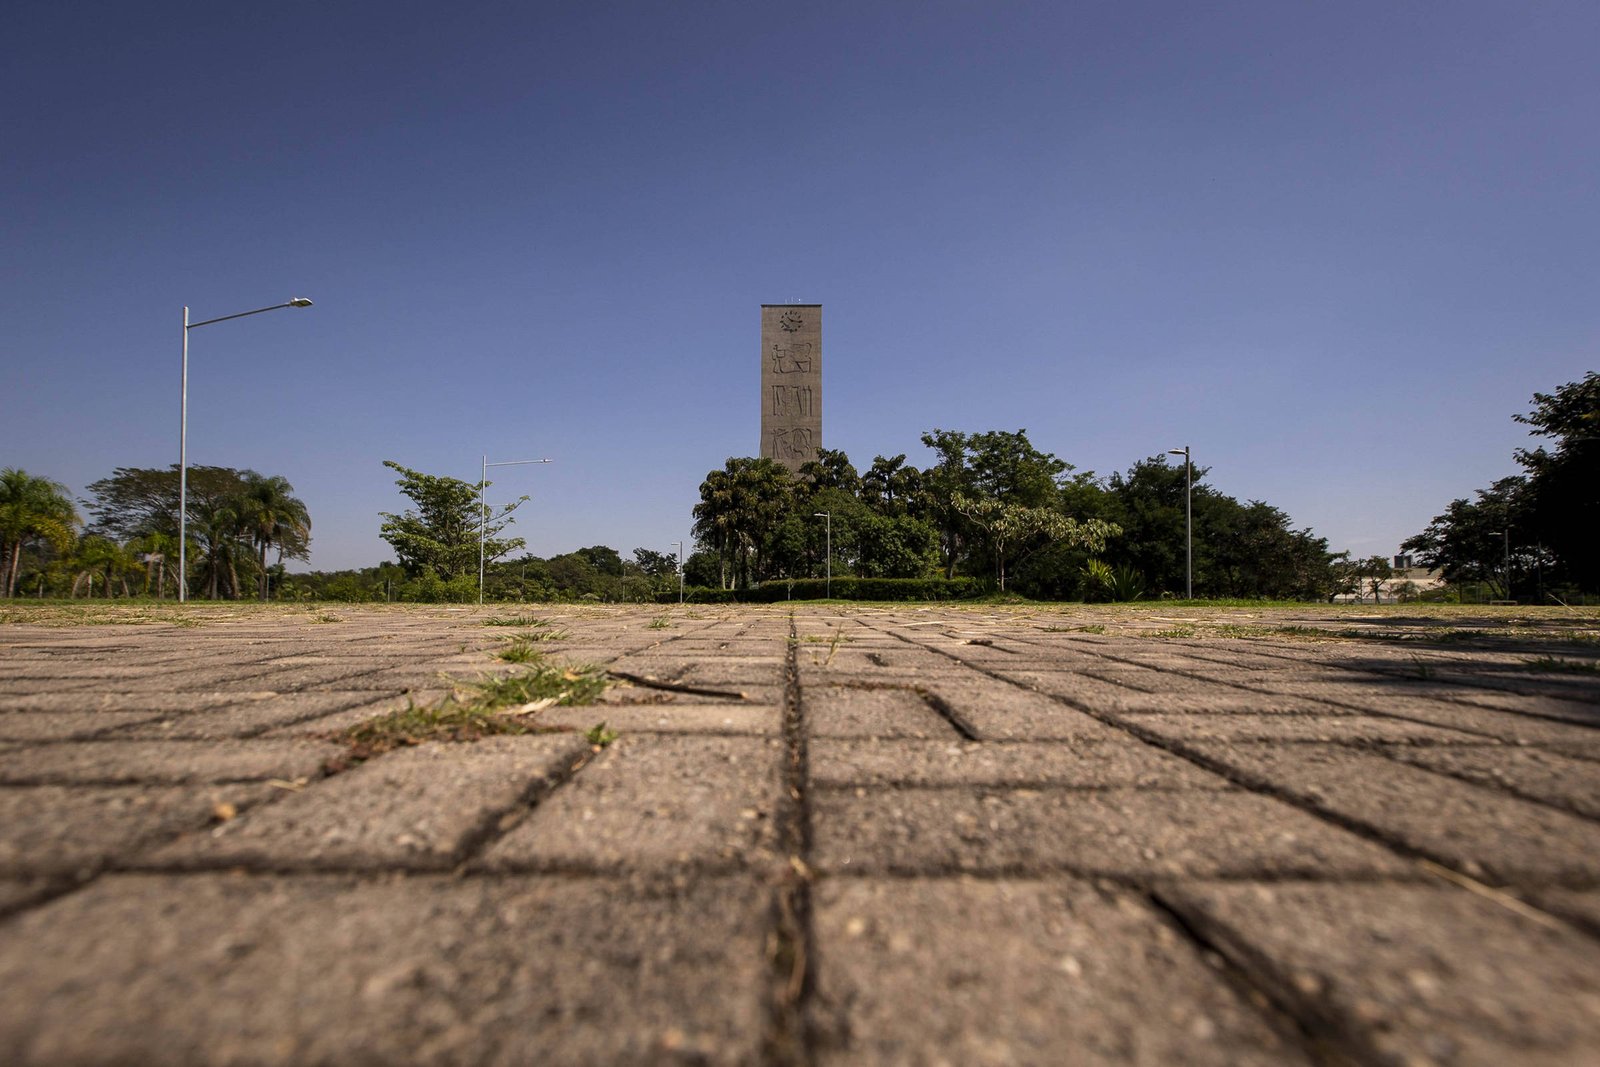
488 707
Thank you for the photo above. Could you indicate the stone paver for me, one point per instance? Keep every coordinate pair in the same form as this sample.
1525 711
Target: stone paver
1002 972
825 835
417 807
1417 974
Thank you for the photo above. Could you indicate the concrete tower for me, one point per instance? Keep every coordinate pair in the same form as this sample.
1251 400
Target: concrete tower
791 382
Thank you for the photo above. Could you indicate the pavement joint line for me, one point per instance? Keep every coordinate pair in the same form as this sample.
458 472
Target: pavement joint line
790 1038
957 721
1249 782
1385 749
1323 1042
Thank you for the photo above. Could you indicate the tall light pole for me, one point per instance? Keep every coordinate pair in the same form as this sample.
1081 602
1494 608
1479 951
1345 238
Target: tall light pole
827 589
483 510
679 546
183 435
1188 520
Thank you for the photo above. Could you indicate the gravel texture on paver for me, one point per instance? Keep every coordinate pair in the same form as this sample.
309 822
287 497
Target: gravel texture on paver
943 971
1484 832
415 808
222 968
1088 764
654 803
114 762
827 834
1412 974
1128 833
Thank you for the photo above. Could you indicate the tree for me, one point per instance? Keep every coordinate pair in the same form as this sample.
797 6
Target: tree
890 486
441 535
995 465
273 517
234 516
1561 505
739 506
656 564
1009 526
33 511
1467 543
1374 570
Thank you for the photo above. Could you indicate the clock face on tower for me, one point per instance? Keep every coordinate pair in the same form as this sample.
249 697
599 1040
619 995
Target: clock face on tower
791 321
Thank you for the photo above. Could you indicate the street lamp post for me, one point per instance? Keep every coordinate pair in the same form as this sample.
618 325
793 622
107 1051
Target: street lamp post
827 588
1188 520
183 435
679 546
483 510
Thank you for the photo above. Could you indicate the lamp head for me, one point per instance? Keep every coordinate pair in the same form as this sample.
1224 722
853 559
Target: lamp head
1178 451
299 302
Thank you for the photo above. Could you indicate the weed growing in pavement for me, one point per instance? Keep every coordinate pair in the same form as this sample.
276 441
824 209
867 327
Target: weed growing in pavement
661 622
514 620
1235 630
599 736
487 707
518 650
1176 631
1556 663
327 617
1423 669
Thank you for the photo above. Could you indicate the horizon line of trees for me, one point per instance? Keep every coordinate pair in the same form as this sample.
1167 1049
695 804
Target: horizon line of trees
994 507
129 545
1530 536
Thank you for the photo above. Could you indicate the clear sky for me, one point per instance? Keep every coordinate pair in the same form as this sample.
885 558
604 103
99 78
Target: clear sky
1332 246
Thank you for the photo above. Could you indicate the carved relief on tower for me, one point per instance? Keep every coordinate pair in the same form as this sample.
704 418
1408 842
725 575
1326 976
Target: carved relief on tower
791 401
792 358
793 443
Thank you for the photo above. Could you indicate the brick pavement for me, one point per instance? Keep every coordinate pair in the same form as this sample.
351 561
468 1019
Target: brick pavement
830 836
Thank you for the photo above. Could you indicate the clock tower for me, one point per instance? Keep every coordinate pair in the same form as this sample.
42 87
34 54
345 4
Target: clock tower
791 383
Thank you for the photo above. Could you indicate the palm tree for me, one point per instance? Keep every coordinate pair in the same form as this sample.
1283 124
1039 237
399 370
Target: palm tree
32 510
155 548
101 557
273 518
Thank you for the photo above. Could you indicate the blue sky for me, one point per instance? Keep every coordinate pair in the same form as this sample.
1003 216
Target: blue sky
1333 247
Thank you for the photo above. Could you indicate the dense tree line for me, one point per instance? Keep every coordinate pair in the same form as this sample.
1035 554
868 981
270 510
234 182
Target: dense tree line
1531 536
236 518
994 506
